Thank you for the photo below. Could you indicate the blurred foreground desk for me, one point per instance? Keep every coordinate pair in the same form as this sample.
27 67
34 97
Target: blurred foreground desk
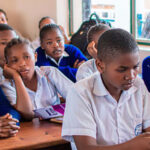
36 135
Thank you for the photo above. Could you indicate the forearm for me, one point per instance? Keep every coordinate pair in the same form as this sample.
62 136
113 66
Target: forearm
23 104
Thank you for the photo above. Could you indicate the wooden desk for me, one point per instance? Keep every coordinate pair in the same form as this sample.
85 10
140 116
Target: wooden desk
36 135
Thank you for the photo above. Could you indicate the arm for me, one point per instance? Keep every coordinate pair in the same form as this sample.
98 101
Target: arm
23 104
139 143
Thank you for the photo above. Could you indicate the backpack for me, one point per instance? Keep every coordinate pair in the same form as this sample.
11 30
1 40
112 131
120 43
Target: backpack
79 39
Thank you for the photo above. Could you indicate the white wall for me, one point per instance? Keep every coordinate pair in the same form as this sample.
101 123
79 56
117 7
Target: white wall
24 15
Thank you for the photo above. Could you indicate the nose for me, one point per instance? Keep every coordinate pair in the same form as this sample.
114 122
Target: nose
22 63
55 44
131 75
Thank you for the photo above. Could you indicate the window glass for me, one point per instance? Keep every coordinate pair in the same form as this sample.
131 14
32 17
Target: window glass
143 19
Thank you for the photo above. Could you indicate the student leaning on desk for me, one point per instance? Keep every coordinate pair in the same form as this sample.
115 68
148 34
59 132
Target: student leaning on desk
110 109
30 87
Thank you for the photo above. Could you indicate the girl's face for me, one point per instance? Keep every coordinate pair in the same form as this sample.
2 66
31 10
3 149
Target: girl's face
5 37
22 59
3 19
53 44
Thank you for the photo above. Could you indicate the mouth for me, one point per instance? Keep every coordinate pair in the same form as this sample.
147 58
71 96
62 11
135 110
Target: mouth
57 52
129 84
24 72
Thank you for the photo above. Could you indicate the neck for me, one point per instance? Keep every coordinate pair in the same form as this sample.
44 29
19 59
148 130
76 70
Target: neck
31 83
114 92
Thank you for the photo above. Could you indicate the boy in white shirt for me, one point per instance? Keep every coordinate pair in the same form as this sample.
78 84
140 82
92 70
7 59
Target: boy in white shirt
110 108
89 67
32 87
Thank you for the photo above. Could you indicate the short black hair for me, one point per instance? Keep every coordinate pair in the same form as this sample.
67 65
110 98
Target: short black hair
95 29
114 42
48 27
4 27
43 18
14 42
2 11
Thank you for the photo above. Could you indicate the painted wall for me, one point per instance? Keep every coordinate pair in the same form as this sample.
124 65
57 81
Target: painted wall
24 15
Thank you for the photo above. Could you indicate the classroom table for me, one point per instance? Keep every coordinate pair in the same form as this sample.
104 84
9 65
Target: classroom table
36 135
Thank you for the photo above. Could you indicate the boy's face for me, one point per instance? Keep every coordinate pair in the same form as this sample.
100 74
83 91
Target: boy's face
3 19
22 59
5 37
53 44
120 73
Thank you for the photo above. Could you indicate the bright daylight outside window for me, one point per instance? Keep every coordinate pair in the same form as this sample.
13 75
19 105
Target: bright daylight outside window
143 20
117 12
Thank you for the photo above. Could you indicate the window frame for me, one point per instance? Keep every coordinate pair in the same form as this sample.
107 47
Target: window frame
133 20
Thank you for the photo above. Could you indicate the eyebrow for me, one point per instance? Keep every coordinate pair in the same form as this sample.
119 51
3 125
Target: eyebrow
127 67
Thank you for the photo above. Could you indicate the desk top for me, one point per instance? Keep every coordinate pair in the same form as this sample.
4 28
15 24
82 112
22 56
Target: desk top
35 134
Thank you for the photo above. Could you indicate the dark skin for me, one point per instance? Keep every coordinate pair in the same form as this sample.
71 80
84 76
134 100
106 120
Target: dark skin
118 75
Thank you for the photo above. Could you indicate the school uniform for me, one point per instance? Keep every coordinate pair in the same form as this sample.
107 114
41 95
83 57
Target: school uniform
86 69
50 82
65 63
92 111
146 72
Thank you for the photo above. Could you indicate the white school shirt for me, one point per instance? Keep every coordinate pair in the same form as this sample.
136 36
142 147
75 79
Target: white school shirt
92 111
86 69
50 82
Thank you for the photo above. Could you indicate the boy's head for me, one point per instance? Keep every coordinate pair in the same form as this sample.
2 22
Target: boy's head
20 56
95 32
6 34
52 41
45 20
3 17
117 59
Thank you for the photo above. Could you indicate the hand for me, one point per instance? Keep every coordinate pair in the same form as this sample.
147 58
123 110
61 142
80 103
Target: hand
92 50
8 126
77 63
141 142
9 73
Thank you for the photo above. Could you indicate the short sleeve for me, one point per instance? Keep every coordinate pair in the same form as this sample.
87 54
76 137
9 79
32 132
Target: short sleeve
146 109
10 91
78 118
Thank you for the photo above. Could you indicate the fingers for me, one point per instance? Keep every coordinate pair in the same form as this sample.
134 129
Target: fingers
76 63
8 122
80 63
8 133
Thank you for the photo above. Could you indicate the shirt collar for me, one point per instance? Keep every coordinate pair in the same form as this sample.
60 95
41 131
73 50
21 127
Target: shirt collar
65 54
100 90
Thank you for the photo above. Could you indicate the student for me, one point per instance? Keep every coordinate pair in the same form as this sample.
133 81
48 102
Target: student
44 21
6 34
146 72
89 67
35 87
3 17
53 52
9 118
114 102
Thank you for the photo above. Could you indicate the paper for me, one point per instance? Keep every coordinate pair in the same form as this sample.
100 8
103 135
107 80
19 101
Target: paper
50 111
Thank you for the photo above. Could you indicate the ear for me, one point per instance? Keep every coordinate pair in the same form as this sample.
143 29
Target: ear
100 65
42 45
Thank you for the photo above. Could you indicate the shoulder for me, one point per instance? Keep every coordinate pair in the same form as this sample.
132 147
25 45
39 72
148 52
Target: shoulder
71 48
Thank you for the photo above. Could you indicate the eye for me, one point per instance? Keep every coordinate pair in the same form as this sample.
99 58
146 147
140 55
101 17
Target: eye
49 43
121 70
3 43
26 57
136 67
58 41
13 61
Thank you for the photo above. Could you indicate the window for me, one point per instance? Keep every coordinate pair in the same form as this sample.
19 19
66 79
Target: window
131 15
